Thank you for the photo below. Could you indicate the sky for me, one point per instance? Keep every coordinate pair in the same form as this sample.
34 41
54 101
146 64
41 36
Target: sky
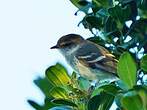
28 28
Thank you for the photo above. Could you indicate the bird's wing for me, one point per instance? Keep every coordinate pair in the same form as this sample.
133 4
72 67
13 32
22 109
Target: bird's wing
96 57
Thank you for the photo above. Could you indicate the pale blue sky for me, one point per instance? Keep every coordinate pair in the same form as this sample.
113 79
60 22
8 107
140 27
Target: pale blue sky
28 28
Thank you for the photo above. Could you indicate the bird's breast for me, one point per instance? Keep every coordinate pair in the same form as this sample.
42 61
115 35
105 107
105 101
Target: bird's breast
85 71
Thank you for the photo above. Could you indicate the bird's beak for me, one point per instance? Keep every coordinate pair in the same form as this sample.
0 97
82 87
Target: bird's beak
54 47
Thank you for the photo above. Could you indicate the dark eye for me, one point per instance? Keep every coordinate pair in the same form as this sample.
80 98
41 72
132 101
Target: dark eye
67 44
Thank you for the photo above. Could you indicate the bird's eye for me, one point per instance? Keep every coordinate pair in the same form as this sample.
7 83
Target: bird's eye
66 44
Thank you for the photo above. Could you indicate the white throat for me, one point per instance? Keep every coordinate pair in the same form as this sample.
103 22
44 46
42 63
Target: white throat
73 50
69 51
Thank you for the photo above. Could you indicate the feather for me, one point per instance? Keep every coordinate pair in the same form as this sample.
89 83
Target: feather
96 57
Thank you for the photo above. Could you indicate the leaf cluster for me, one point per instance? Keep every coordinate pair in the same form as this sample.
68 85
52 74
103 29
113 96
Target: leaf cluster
121 27
70 92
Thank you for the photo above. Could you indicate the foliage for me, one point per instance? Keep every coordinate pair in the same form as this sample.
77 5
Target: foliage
108 21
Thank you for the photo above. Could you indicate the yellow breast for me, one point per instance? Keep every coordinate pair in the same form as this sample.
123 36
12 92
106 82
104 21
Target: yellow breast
85 72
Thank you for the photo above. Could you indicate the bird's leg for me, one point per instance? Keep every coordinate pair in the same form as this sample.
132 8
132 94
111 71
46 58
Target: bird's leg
92 87
90 91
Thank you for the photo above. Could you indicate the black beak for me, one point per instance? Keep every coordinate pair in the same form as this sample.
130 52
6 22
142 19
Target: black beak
54 47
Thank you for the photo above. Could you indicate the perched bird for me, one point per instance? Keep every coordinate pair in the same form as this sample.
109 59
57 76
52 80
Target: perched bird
90 60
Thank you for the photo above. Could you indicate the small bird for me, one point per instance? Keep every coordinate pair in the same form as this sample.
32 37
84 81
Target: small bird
92 61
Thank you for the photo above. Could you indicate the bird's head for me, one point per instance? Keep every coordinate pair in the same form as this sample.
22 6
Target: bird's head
68 42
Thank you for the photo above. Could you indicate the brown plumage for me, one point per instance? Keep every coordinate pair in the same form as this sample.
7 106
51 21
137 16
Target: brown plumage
90 60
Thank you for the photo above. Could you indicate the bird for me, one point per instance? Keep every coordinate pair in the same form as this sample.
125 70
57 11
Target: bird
90 60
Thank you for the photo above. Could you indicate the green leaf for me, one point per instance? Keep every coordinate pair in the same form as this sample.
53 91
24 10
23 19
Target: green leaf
44 85
143 13
97 40
106 102
83 2
132 4
133 97
35 105
74 76
64 102
58 92
57 75
82 5
101 102
120 15
74 81
92 22
138 31
122 85
111 29
127 70
96 91
76 3
94 102
110 89
103 3
143 63
102 13
48 104
110 25
142 4
117 99
125 1
83 83
77 92
142 92
139 28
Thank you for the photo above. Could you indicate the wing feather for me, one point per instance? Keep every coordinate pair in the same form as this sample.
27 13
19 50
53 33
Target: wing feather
97 57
